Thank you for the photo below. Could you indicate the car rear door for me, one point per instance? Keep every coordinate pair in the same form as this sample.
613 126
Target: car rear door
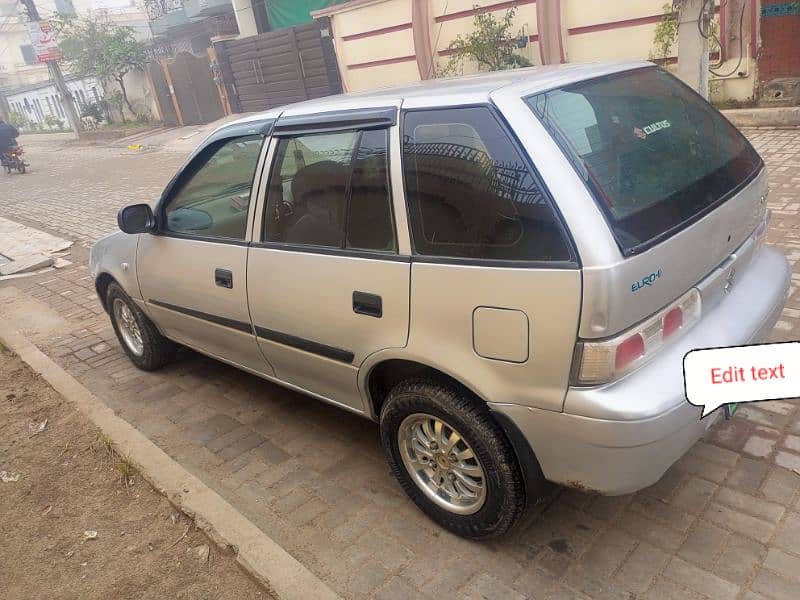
326 284
192 271
496 283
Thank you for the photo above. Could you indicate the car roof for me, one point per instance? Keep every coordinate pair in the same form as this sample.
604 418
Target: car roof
469 89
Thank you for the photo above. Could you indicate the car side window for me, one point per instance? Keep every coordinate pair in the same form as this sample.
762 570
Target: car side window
471 194
369 214
214 196
331 190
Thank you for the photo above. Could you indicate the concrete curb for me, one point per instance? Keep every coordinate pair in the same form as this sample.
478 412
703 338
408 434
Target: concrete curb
764 117
258 554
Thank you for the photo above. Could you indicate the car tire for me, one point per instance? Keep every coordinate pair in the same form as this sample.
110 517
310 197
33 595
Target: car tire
138 336
483 506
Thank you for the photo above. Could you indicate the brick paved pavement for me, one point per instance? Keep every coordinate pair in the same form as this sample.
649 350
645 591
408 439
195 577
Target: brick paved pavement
724 522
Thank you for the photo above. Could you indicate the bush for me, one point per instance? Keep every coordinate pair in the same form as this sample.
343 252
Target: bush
54 122
491 45
18 120
116 101
143 116
93 109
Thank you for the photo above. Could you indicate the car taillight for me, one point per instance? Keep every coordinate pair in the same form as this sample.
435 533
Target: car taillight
672 321
628 351
604 361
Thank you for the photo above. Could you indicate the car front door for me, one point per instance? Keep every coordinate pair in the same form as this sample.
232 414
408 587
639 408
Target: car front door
192 271
326 284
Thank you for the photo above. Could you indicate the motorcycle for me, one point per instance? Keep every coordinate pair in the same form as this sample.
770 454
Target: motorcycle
12 160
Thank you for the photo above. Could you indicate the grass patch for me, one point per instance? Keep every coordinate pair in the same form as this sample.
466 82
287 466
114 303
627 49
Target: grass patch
106 444
125 469
122 464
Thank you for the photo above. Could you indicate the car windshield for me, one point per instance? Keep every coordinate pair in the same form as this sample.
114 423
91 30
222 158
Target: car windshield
653 153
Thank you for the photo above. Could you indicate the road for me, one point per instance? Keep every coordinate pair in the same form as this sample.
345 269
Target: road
724 522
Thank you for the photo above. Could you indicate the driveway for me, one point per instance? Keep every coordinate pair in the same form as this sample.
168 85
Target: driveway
724 522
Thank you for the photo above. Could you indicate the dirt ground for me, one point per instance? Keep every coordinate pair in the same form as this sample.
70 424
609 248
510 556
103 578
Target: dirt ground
70 484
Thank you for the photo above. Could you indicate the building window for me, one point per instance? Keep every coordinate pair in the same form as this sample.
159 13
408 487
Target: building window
27 54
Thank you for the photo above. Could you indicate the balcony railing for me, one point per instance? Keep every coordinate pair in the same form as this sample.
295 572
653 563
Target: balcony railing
156 9
175 18
206 8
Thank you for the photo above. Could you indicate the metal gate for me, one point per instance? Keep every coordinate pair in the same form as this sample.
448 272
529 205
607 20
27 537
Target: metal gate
185 90
163 96
279 67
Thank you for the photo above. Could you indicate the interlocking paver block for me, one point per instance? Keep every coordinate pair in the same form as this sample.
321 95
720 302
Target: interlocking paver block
788 460
666 589
203 432
608 552
240 446
748 475
768 511
398 588
782 563
759 446
693 496
703 544
641 568
223 441
315 480
700 581
739 560
788 536
740 522
775 586
781 485
486 587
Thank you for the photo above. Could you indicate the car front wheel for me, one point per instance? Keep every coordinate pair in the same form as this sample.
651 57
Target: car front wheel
452 459
139 337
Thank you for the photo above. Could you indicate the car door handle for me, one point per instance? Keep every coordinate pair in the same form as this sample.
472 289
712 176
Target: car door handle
223 278
367 304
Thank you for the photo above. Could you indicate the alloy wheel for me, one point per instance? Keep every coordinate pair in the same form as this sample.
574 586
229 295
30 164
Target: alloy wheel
442 464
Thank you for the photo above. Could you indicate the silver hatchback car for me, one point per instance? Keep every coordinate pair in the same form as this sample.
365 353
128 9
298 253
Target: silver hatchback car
505 271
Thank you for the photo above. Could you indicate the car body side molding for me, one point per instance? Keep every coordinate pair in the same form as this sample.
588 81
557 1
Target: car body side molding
225 322
337 354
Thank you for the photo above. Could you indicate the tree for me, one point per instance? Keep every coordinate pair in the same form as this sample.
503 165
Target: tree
103 49
665 38
490 44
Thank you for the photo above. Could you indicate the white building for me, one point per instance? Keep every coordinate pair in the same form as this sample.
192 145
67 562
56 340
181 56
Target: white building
39 106
21 75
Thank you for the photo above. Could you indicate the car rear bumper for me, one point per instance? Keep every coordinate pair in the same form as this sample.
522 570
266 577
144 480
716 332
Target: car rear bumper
622 437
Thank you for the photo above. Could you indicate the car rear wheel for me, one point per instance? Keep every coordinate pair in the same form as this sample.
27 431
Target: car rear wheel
452 459
138 336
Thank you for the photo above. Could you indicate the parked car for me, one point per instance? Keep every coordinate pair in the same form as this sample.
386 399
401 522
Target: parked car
504 271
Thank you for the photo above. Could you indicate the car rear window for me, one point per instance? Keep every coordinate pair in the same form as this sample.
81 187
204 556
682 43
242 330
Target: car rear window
654 154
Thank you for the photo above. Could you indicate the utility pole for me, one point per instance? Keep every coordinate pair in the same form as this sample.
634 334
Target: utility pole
4 109
694 17
58 78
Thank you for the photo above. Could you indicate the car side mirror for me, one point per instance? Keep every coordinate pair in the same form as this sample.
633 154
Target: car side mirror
137 218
